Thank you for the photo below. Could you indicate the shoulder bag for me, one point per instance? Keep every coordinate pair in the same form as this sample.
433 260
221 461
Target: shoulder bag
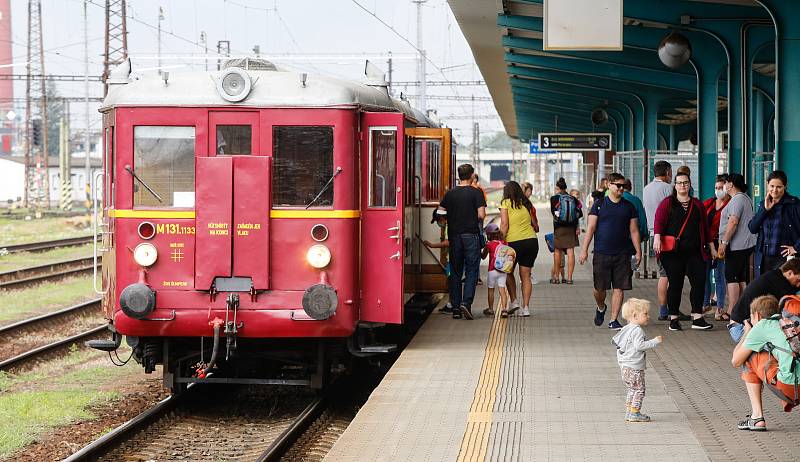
670 243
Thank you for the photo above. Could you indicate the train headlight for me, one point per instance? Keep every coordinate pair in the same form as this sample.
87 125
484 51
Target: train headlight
320 301
234 85
318 256
145 254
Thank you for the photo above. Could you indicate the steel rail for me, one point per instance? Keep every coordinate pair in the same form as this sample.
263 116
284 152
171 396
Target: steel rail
117 436
25 323
284 441
47 245
28 276
50 347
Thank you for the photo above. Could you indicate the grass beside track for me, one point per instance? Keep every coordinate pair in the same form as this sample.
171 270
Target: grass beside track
19 304
44 229
55 394
19 260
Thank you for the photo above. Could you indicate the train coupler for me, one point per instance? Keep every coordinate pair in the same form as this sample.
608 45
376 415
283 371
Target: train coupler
231 326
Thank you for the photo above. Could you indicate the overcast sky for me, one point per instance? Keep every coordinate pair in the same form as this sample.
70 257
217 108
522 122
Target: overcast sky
298 27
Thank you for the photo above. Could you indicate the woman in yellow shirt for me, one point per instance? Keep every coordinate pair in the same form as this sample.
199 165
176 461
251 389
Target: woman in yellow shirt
516 224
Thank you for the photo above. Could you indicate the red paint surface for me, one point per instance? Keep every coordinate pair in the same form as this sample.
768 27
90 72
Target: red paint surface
251 204
214 209
381 276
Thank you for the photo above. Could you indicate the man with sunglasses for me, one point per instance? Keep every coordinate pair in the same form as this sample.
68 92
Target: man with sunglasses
610 221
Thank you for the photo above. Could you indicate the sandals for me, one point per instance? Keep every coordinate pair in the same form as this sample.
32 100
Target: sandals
750 424
488 312
504 313
722 316
554 281
568 281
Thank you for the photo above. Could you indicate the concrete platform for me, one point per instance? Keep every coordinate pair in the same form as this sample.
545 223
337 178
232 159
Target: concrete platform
548 388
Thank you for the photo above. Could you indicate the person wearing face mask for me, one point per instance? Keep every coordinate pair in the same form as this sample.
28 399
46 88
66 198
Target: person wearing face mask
777 224
715 267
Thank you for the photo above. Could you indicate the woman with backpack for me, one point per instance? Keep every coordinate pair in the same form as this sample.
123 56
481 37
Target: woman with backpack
681 243
566 211
516 224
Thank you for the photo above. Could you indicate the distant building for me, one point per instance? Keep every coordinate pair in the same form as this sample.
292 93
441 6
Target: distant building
12 178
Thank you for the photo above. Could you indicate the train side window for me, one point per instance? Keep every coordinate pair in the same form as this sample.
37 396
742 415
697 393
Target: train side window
302 164
234 140
383 167
163 158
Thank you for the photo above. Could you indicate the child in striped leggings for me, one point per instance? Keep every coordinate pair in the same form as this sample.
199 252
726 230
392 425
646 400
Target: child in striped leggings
631 347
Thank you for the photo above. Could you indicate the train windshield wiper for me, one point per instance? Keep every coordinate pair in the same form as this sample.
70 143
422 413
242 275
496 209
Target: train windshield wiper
148 188
325 188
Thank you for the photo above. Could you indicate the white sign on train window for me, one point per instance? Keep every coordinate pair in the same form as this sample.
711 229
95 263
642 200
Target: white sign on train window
583 25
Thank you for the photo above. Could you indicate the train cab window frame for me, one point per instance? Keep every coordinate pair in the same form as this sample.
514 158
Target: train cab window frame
163 162
302 166
234 139
109 196
386 164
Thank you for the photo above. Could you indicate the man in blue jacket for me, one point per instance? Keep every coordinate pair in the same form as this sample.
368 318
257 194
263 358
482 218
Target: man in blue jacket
777 224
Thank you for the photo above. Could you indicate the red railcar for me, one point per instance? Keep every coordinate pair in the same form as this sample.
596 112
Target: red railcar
270 217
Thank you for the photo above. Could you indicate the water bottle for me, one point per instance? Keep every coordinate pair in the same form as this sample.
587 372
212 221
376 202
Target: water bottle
634 266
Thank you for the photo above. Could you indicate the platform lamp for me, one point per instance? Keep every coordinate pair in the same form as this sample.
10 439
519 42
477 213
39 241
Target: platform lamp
674 50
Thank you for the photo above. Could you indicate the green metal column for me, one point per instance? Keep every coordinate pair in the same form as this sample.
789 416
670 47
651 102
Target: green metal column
707 133
758 121
673 139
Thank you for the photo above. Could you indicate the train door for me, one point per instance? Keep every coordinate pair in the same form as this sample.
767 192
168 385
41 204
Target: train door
233 201
425 268
382 217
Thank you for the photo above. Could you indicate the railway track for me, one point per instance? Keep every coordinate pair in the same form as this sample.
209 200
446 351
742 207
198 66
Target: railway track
251 423
47 245
52 271
41 337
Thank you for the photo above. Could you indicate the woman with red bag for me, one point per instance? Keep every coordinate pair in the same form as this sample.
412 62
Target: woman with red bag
681 243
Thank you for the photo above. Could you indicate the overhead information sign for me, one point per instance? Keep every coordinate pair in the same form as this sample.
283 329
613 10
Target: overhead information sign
583 25
574 142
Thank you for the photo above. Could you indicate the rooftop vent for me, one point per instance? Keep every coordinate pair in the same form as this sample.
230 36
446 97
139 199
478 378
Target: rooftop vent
250 64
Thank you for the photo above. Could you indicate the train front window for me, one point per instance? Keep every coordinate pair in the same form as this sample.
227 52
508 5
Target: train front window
234 140
383 167
163 159
302 165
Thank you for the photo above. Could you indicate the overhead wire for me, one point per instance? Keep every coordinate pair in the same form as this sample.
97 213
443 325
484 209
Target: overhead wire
405 39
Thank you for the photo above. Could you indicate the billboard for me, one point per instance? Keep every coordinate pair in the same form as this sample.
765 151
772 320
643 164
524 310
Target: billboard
583 25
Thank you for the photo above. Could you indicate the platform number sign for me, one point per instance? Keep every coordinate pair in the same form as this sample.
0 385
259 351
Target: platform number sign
574 141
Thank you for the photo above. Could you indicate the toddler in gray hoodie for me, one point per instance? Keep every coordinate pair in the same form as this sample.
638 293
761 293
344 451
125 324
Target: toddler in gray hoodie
631 347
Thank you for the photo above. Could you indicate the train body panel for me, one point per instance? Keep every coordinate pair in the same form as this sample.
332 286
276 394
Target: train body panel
299 220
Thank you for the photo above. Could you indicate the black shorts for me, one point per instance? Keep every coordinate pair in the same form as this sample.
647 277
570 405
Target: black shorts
737 265
527 250
612 271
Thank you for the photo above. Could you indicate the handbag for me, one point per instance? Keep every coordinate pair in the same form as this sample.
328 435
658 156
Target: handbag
670 243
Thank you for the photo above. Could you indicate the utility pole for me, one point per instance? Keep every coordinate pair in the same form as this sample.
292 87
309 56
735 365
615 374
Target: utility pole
223 49
204 41
116 42
64 160
389 65
160 18
36 113
421 78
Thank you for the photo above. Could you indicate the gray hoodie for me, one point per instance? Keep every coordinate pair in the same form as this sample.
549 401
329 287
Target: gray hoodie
631 346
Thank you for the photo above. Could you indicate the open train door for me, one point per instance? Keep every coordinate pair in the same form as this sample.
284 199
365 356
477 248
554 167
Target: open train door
382 217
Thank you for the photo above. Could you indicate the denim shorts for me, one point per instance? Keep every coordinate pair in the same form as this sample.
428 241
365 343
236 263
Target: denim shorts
736 331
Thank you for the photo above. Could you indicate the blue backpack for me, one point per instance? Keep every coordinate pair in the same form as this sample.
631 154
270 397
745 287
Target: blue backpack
567 209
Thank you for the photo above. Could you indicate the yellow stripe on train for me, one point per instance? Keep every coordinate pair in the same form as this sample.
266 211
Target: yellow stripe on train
177 214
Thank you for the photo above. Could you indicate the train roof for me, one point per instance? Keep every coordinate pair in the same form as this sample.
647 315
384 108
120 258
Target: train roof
271 87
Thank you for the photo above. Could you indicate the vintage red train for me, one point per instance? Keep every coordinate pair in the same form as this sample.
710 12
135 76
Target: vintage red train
262 224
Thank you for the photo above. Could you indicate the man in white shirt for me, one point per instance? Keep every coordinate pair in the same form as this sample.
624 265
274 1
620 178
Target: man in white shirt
652 195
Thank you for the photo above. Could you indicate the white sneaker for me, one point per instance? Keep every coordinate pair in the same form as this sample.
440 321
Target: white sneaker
534 281
524 312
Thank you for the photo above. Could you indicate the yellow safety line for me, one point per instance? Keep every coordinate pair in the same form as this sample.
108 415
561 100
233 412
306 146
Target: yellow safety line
475 442
273 214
